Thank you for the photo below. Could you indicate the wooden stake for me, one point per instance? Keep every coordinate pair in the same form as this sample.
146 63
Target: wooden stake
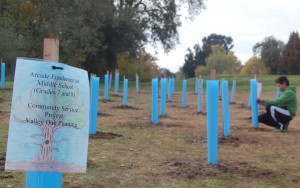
51 50
213 74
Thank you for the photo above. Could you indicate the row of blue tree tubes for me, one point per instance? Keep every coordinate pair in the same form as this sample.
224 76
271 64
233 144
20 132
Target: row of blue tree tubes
213 89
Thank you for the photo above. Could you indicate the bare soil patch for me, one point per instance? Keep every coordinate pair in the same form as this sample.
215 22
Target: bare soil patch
174 152
119 96
103 114
7 88
101 135
199 113
7 175
126 107
149 124
226 140
2 161
199 167
106 101
258 129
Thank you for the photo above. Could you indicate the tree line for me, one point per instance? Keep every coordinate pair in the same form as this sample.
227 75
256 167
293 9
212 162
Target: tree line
270 56
93 34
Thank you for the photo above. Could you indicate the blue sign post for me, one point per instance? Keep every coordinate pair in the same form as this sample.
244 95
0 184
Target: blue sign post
196 85
154 116
226 109
117 75
169 89
200 94
125 92
137 83
110 80
173 85
163 97
106 82
94 103
254 107
212 87
2 75
184 93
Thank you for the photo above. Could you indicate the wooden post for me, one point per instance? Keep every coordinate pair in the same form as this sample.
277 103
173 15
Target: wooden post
51 50
46 179
213 74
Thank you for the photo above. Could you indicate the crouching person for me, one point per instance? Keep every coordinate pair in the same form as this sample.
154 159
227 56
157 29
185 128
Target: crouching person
280 112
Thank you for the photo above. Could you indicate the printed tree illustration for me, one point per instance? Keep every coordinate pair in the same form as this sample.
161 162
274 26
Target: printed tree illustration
50 109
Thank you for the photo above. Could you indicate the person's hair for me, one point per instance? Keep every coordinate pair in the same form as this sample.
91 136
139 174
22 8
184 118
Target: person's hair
282 79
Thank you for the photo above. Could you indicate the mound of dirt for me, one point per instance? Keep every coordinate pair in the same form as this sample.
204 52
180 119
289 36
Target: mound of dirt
120 96
103 114
199 113
258 129
200 167
226 140
170 125
7 88
127 107
106 101
2 161
101 135
230 140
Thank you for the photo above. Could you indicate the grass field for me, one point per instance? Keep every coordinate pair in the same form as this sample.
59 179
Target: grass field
128 151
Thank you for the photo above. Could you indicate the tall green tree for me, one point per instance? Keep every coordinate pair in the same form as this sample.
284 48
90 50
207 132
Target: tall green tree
290 60
221 61
255 65
269 50
167 72
196 58
189 65
93 32
193 59
216 39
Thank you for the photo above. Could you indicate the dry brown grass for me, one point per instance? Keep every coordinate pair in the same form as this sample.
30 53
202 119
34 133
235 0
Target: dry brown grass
174 153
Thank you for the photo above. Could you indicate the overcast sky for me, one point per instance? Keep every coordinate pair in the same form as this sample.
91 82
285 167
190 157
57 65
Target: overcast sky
246 21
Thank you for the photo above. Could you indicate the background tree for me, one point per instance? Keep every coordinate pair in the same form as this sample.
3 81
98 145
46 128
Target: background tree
179 74
192 60
198 57
220 60
93 33
189 65
200 69
290 60
255 65
142 63
216 39
167 72
269 50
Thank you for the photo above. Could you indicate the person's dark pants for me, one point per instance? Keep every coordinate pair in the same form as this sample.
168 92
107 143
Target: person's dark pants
275 117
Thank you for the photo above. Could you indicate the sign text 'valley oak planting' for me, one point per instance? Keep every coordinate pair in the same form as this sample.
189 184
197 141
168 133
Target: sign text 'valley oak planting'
49 119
